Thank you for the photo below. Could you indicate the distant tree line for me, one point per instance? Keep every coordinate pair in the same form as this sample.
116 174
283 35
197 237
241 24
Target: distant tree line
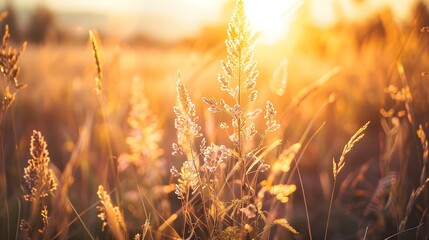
39 27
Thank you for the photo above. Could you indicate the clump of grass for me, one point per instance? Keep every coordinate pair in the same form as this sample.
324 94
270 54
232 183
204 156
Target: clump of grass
423 179
144 166
112 164
224 179
9 86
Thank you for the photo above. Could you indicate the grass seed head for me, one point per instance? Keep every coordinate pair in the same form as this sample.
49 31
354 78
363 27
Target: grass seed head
38 177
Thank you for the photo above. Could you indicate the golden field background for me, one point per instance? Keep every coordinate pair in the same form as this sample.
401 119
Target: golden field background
61 103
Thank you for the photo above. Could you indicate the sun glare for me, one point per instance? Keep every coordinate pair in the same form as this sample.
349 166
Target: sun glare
271 18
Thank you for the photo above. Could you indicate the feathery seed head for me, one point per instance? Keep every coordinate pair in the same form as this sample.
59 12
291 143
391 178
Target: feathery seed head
37 175
9 68
270 113
110 215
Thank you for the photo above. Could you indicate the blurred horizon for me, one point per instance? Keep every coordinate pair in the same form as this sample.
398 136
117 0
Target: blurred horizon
166 21
169 21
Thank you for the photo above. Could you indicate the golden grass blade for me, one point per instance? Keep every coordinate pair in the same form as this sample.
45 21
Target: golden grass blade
96 53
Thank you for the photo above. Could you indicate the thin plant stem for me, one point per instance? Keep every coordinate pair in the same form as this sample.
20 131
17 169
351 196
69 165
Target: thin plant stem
80 219
78 216
17 152
406 230
304 199
330 208
366 232
3 163
19 215
109 146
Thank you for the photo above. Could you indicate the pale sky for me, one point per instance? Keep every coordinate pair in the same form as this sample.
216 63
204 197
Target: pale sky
164 19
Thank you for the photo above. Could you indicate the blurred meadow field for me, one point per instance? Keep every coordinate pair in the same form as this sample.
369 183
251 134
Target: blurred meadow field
214 119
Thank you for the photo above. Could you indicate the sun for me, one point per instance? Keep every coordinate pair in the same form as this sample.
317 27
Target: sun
271 18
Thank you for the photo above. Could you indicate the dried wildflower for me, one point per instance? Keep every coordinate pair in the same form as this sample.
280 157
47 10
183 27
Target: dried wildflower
9 68
270 113
279 80
250 211
111 215
336 168
214 155
39 178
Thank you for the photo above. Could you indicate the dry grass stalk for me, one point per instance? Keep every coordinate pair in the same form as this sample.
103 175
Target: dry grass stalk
411 202
337 167
96 53
423 141
39 183
39 179
423 179
111 215
9 58
144 136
